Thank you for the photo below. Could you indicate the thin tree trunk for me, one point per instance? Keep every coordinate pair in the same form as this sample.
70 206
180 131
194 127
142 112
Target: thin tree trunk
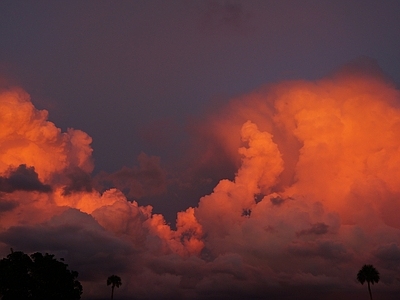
112 292
369 290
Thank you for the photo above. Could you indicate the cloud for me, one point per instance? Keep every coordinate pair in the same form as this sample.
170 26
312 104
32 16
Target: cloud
67 235
28 138
389 252
22 178
317 228
324 249
316 173
7 205
389 256
148 179
362 67
79 181
277 200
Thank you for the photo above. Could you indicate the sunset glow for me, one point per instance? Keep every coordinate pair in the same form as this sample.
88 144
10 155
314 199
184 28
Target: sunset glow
203 150
340 136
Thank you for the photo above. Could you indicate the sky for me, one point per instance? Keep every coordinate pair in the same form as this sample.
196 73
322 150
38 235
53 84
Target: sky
204 149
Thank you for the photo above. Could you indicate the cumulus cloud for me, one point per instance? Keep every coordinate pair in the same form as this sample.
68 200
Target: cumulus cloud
314 197
28 138
22 178
79 181
147 179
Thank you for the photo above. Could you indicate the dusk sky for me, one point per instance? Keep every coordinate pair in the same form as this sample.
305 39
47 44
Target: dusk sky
204 149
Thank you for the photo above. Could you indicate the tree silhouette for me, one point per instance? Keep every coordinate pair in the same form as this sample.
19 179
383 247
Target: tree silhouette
115 281
369 274
15 282
52 279
37 277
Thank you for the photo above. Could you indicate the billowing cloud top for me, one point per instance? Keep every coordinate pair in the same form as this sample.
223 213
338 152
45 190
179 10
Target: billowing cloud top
315 197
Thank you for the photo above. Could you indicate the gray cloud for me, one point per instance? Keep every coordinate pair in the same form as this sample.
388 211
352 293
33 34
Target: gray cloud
7 205
22 178
67 235
79 181
325 249
317 228
147 179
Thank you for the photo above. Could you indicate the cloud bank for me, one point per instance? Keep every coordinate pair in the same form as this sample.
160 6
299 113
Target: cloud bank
315 196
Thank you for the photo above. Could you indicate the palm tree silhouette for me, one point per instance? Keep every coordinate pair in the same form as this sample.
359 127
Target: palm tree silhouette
115 281
369 274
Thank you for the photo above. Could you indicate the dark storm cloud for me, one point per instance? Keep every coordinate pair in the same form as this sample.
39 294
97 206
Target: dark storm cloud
388 253
230 277
317 228
22 178
328 250
236 279
389 256
68 235
147 179
79 181
277 200
7 205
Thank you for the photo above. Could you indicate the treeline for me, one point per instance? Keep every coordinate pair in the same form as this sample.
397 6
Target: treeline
37 276
41 277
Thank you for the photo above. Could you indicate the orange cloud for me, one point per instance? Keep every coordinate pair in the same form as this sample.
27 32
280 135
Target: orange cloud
27 137
315 196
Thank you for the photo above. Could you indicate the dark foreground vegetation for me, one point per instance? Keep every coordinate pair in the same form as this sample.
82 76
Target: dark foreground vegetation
368 274
37 277
42 277
114 281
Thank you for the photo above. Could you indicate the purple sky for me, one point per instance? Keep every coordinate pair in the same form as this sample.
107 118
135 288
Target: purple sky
154 76
135 74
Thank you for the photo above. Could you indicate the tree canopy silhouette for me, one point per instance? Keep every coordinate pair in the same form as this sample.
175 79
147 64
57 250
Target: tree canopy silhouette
368 274
37 277
115 281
